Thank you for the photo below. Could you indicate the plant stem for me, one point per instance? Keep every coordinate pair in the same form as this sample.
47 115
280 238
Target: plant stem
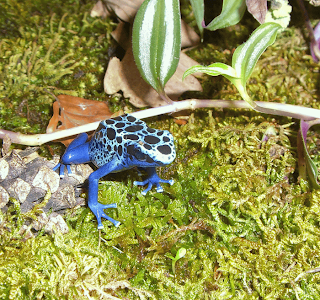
279 109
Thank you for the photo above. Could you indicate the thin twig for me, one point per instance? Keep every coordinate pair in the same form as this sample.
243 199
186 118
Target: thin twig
280 109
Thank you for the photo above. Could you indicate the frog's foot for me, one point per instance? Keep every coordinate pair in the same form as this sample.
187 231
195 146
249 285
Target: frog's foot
61 168
154 179
98 208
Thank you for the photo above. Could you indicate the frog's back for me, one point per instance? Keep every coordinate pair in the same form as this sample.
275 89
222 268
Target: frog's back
119 137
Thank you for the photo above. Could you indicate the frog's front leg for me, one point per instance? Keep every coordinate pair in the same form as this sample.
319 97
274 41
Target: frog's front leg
153 179
76 153
96 207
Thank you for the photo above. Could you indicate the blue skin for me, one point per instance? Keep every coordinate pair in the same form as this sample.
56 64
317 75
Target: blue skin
118 144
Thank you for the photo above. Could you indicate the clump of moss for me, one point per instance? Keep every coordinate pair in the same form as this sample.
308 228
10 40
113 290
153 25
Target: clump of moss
248 225
61 55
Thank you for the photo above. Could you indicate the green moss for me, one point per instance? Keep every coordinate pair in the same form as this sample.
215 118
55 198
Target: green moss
66 54
248 225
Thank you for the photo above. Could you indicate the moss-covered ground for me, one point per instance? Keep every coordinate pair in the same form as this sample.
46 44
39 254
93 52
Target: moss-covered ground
249 224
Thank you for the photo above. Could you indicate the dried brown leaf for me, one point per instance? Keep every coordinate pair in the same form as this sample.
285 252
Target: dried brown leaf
189 37
124 75
70 111
122 35
258 8
314 2
99 10
125 10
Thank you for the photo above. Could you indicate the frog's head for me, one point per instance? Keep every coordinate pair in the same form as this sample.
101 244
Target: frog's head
153 148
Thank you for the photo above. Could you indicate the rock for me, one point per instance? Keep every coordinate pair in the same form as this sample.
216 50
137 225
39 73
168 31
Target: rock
56 223
41 221
67 195
19 190
4 197
51 224
46 178
25 231
27 177
16 165
4 169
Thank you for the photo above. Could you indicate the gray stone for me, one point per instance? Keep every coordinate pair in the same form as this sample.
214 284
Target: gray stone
4 169
19 190
4 197
46 178
56 223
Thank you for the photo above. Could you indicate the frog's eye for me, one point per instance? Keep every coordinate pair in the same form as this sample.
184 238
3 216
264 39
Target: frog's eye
135 151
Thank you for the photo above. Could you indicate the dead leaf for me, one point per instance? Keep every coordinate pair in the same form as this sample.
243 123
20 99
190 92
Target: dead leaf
122 35
258 8
189 38
125 10
99 10
124 75
70 111
314 2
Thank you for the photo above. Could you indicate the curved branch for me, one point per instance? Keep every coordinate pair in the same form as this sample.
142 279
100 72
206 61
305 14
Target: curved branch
279 109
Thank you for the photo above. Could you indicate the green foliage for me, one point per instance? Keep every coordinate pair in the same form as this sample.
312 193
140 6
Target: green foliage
244 59
307 168
198 10
29 13
232 12
180 253
156 41
249 227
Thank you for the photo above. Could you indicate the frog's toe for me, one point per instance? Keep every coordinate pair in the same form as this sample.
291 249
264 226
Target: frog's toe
56 166
69 169
147 189
141 182
154 180
170 181
99 213
61 168
159 188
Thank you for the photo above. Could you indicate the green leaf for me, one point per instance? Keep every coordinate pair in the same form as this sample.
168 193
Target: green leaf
244 59
156 41
231 14
307 167
181 253
213 70
198 10
246 55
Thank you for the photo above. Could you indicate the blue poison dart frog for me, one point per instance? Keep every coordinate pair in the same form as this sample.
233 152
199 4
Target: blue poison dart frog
118 144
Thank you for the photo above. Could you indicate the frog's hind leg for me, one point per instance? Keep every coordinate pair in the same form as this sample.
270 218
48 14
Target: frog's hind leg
96 207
